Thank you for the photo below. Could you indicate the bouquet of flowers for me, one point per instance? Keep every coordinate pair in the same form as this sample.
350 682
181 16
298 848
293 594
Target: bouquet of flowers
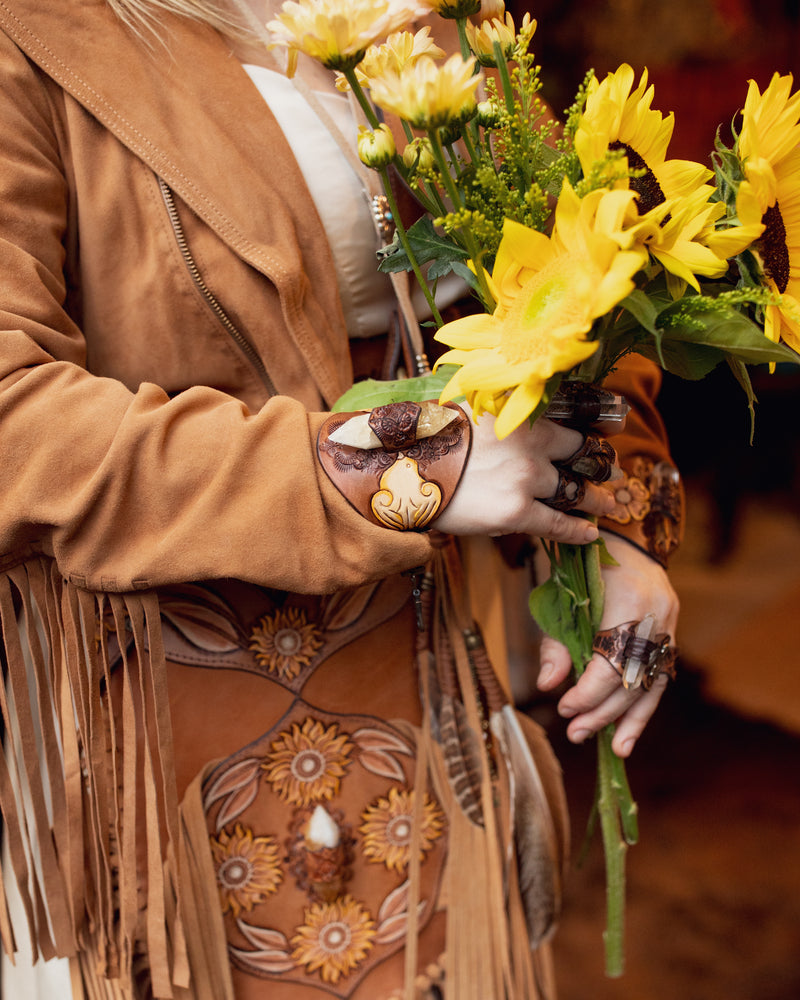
581 241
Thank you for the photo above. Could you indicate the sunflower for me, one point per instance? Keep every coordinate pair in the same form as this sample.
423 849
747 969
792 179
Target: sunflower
769 151
673 196
285 642
427 94
307 764
334 938
549 291
337 33
388 827
248 868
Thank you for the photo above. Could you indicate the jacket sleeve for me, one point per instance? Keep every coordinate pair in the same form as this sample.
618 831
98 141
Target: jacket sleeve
134 489
649 511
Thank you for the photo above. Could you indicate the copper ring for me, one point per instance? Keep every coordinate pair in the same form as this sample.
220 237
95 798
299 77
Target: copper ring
653 657
569 491
595 459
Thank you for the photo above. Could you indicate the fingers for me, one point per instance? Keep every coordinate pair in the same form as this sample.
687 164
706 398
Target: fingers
544 522
555 664
598 699
505 482
634 587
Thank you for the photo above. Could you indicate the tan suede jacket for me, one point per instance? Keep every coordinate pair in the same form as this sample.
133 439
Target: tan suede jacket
170 329
161 379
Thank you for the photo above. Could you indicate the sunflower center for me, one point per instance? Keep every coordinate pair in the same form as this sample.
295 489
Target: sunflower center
288 641
398 831
308 765
335 937
645 185
774 250
547 301
235 873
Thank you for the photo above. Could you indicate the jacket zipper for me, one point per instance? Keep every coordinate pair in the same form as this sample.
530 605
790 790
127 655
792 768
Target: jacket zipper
238 337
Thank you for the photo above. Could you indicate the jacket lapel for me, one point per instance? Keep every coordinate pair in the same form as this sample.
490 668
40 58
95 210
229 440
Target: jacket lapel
188 110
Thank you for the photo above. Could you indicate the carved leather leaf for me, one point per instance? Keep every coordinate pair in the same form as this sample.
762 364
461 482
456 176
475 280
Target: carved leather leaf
344 609
203 618
375 753
238 785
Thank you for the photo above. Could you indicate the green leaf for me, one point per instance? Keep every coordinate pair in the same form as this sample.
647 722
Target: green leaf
710 324
370 393
426 245
687 361
546 604
439 268
643 308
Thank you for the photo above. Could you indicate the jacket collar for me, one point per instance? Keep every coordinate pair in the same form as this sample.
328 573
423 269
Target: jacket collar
228 161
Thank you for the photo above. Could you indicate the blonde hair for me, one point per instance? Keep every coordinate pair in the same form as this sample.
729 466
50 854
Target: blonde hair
143 16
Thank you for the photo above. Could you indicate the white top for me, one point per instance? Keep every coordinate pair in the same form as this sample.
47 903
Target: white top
342 203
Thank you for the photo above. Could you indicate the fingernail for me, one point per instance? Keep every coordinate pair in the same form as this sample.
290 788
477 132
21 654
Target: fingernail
566 712
546 671
591 532
628 745
580 735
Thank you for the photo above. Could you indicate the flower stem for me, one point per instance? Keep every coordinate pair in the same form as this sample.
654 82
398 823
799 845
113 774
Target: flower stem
470 245
361 97
579 594
402 235
615 850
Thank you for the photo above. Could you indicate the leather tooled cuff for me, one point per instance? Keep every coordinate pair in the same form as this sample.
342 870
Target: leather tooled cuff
397 465
649 507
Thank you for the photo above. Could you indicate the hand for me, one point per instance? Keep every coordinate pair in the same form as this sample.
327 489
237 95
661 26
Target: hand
504 482
633 588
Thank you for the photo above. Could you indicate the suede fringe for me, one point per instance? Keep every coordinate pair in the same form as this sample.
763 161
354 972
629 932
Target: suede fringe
489 949
90 891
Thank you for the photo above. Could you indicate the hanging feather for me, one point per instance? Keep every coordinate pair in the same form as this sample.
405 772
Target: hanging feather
536 842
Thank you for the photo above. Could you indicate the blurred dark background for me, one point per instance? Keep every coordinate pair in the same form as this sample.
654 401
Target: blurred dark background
714 884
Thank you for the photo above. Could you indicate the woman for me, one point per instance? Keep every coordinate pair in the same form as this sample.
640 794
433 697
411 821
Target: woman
237 789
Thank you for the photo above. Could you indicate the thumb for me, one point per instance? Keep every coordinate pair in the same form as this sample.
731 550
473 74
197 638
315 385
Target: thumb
555 664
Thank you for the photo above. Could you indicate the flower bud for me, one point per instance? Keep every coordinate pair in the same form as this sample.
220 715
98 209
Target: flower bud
418 155
491 9
376 148
489 114
456 9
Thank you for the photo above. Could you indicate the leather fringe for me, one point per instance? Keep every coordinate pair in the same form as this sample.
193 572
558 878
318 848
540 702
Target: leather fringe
139 915
501 827
75 751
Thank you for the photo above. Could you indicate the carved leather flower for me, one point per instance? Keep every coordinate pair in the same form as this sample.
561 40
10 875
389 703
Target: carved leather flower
632 500
248 868
335 938
285 642
306 764
388 826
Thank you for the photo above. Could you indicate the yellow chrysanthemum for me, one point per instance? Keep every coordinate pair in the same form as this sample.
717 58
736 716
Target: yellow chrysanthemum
307 764
548 291
673 196
334 938
428 94
337 33
388 826
402 48
502 30
248 868
769 149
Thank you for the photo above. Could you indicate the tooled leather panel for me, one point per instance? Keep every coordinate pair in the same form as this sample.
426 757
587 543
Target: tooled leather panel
285 637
